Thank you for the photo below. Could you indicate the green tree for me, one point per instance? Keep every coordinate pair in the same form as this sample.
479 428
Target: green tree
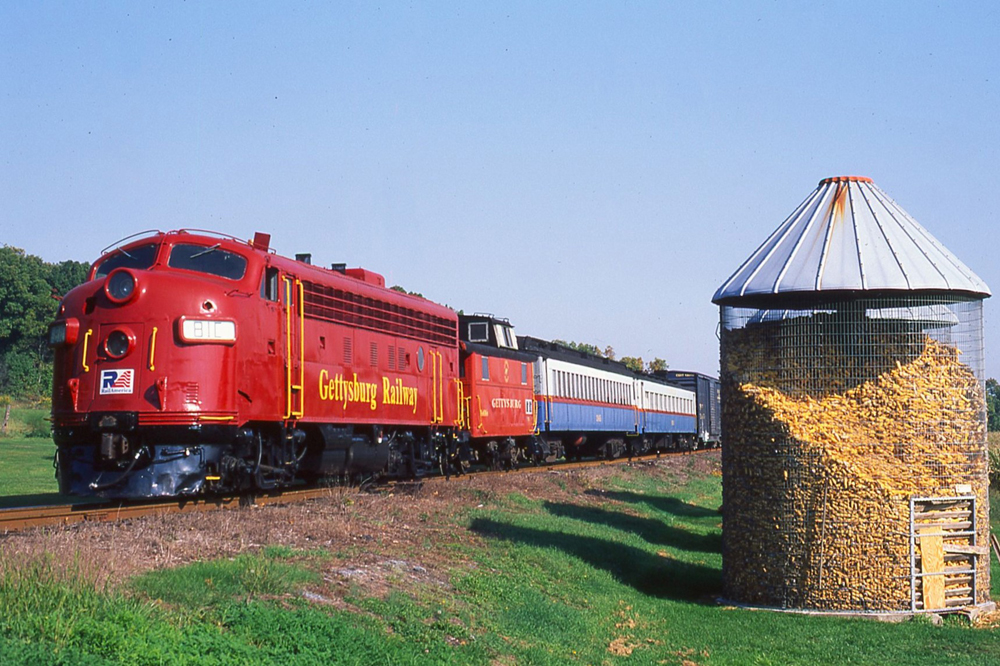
992 405
65 275
584 347
28 303
657 365
403 290
633 363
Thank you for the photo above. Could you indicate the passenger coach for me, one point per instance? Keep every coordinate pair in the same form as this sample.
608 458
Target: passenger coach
590 405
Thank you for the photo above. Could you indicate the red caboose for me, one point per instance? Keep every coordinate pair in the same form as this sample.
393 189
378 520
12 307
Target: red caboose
191 362
498 392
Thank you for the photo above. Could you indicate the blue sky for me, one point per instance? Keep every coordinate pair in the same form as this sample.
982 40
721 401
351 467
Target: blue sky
593 171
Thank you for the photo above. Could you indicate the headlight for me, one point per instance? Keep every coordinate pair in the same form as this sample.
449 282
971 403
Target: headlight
208 330
120 286
118 344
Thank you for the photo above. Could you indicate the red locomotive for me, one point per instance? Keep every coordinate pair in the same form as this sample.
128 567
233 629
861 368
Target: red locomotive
191 362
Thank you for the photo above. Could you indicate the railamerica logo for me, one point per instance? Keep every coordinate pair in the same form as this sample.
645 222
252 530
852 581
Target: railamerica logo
116 381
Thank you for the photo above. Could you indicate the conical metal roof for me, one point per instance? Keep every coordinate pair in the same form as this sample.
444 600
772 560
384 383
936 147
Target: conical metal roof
847 237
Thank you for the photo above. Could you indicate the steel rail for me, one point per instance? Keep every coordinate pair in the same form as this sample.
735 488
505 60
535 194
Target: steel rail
22 518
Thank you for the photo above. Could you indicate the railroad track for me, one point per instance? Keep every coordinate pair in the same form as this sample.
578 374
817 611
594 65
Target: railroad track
22 518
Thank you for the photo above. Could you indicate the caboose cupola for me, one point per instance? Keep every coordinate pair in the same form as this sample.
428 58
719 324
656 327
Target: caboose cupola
486 329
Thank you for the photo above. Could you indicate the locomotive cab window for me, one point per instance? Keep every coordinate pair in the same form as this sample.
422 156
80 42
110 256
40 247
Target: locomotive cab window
141 257
269 284
211 260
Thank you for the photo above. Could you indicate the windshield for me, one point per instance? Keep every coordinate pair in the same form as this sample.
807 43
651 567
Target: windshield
141 256
208 259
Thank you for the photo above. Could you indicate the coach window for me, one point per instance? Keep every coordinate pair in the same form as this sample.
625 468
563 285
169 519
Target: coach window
524 374
486 368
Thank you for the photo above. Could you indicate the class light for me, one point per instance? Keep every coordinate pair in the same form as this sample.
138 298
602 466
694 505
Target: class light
64 332
208 330
120 286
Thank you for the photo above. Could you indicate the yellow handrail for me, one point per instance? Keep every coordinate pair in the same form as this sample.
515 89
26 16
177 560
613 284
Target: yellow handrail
459 395
288 348
86 339
152 350
434 394
300 306
294 290
440 360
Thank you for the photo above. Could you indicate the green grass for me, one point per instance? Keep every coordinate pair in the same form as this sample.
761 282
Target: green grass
577 578
26 421
632 567
27 476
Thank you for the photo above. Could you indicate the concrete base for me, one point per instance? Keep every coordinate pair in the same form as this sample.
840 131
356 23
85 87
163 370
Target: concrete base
972 612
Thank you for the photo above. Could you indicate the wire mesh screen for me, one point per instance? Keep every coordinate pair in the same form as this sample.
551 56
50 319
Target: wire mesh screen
834 416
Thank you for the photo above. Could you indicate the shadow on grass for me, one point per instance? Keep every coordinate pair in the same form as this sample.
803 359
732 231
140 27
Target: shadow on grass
653 531
670 505
647 573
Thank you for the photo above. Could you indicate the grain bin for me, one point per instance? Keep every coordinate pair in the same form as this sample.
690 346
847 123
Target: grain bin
854 423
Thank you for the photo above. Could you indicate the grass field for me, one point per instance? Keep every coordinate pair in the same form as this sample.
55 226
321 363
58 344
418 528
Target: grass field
26 473
600 566
26 454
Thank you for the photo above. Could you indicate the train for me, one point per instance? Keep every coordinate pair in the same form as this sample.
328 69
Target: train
195 363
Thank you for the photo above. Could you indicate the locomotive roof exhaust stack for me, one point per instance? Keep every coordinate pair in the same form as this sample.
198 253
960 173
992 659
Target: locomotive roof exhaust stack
305 258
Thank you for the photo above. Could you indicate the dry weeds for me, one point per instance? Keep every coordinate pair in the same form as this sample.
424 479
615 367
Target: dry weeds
374 542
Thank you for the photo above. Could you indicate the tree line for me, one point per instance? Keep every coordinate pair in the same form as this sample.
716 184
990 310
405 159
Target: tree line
30 290
633 363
